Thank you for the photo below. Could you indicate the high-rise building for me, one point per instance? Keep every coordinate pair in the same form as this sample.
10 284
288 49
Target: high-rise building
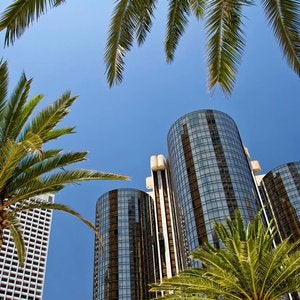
126 263
27 282
207 176
211 174
281 191
167 220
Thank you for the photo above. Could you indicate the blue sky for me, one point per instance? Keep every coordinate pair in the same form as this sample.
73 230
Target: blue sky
122 127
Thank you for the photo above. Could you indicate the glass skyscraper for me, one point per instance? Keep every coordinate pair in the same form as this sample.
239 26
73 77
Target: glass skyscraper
207 176
124 218
281 187
211 174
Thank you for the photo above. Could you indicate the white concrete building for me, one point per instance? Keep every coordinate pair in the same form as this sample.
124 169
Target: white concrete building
26 283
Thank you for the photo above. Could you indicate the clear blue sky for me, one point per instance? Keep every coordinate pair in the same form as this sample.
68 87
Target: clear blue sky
122 127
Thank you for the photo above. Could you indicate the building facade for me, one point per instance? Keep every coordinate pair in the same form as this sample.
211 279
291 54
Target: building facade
128 262
27 282
207 176
211 174
169 234
281 189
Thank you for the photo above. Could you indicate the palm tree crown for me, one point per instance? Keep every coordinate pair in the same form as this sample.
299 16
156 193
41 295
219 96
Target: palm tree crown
27 169
246 267
133 19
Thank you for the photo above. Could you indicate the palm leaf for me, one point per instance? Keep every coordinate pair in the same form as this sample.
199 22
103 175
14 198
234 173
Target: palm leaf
10 155
20 14
35 203
55 182
177 20
283 16
25 114
281 267
48 118
3 86
144 17
225 42
246 267
198 7
14 108
16 233
120 37
43 166
26 170
57 133
29 161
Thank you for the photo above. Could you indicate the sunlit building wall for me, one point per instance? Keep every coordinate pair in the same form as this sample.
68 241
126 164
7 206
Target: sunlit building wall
211 174
27 282
169 235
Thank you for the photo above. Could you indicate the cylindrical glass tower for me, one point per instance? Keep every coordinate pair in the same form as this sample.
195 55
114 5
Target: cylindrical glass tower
282 190
211 175
124 218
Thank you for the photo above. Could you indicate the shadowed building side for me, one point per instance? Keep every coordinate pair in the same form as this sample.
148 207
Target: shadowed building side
124 218
281 188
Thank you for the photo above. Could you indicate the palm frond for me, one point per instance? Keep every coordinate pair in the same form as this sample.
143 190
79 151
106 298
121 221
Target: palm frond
35 203
29 161
43 166
283 16
14 227
198 7
3 86
48 118
26 170
57 133
225 42
56 181
145 13
120 38
25 114
281 267
10 154
14 108
18 16
177 20
246 267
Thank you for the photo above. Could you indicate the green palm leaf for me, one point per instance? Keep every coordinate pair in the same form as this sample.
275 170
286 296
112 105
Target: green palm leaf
198 7
120 37
35 203
55 182
20 14
177 20
3 86
284 18
47 119
14 227
225 42
246 267
144 17
14 107
26 170
43 166
10 155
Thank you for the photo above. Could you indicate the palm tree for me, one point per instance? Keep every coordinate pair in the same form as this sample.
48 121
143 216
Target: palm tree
246 267
133 19
27 168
